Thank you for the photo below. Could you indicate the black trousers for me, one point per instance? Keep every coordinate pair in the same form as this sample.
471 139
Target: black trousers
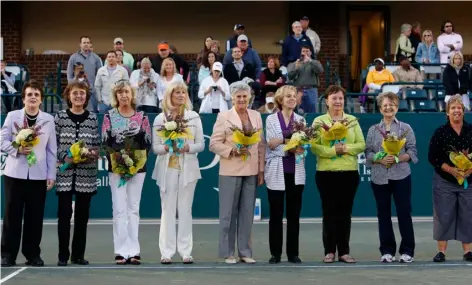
401 191
337 191
293 194
28 196
81 217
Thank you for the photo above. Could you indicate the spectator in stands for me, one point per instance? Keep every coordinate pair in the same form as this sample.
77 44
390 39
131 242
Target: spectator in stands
123 123
238 178
179 61
145 80
457 79
168 74
305 75
119 61
26 186
293 43
214 91
232 41
8 85
427 53
238 69
378 76
176 173
106 79
415 38
205 69
206 49
312 35
215 47
128 60
407 73
337 177
404 45
72 125
391 175
79 74
452 202
270 107
271 77
91 62
285 178
448 42
248 54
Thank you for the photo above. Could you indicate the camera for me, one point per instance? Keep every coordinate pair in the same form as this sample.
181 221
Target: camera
81 72
302 57
215 88
148 80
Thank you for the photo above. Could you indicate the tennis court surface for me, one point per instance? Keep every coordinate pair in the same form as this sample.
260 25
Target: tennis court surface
209 269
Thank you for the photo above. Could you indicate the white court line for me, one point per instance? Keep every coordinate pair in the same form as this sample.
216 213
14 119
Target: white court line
11 275
235 267
98 222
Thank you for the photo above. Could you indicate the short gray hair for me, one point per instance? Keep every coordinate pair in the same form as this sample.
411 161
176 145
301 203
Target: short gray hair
240 86
387 95
146 60
405 27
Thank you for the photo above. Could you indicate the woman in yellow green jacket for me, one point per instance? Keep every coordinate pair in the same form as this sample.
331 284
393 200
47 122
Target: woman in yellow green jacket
337 176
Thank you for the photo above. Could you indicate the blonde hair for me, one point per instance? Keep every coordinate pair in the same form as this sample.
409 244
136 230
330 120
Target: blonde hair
429 32
167 101
119 86
455 99
451 61
163 66
281 93
387 95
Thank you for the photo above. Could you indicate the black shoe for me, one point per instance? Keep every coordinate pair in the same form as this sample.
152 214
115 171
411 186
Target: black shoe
274 259
62 263
294 259
37 261
7 262
440 257
79 261
468 256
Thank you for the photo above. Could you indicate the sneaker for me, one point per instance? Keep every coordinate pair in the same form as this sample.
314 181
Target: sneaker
405 258
388 258
230 260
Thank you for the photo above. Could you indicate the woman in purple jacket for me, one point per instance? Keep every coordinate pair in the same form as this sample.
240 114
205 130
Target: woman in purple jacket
25 185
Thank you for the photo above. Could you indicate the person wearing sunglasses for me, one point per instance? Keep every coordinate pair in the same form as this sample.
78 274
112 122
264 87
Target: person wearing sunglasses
449 42
427 53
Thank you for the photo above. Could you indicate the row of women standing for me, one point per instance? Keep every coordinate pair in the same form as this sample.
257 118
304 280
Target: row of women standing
176 175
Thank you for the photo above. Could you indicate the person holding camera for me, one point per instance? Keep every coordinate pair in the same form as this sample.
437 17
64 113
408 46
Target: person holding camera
144 80
214 91
305 75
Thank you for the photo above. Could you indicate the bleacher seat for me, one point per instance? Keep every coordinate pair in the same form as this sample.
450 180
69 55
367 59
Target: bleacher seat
441 94
416 94
441 106
403 106
424 106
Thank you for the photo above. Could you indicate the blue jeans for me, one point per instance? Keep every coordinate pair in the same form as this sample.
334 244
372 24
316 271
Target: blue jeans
103 108
310 101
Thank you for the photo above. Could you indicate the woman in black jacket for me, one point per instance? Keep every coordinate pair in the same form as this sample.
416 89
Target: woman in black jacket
457 79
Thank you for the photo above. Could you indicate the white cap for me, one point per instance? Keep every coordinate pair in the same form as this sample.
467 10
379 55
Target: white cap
242 38
217 66
379 59
269 99
118 40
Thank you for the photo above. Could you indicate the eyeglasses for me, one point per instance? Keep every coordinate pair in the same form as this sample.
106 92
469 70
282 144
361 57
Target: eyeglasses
448 26
427 36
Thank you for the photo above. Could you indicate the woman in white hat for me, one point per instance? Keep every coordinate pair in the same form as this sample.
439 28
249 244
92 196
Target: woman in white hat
214 91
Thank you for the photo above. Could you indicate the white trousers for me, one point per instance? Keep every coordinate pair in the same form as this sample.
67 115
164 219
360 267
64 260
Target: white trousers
126 201
465 101
176 199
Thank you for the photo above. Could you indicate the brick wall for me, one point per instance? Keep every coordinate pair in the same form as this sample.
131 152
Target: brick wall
11 31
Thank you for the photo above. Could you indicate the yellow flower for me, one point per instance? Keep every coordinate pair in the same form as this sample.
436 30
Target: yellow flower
133 170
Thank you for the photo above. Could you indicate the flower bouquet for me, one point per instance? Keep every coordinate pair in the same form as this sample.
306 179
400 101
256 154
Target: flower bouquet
126 162
463 161
245 137
27 136
174 132
302 136
392 144
79 153
336 131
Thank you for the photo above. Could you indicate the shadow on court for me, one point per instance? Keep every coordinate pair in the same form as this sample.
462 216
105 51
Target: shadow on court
209 269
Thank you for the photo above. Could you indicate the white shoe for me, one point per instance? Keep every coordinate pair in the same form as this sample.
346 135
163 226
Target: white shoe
405 258
230 260
388 258
247 260
362 109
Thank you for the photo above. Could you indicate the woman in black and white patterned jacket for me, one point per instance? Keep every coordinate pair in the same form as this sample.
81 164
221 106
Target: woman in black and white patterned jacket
72 125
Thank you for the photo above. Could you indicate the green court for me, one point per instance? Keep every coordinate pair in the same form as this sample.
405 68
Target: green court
209 269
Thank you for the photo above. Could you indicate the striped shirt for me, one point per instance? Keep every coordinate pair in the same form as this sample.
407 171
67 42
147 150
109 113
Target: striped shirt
380 174
274 169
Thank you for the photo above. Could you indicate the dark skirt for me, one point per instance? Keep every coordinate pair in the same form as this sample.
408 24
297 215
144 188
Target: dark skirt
452 211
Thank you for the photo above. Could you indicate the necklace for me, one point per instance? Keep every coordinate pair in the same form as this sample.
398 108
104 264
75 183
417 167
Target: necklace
31 118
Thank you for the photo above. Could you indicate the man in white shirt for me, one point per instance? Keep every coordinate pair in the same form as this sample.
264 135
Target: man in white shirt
448 42
315 39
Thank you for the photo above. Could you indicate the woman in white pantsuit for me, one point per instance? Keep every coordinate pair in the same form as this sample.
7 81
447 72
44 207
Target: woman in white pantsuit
177 175
121 122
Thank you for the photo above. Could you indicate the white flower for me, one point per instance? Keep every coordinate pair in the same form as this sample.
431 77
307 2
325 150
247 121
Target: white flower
84 151
170 126
129 162
298 136
22 135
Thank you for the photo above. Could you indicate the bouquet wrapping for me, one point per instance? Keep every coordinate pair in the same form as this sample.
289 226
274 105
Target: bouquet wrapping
27 136
302 136
174 132
336 131
463 161
79 153
245 138
392 144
